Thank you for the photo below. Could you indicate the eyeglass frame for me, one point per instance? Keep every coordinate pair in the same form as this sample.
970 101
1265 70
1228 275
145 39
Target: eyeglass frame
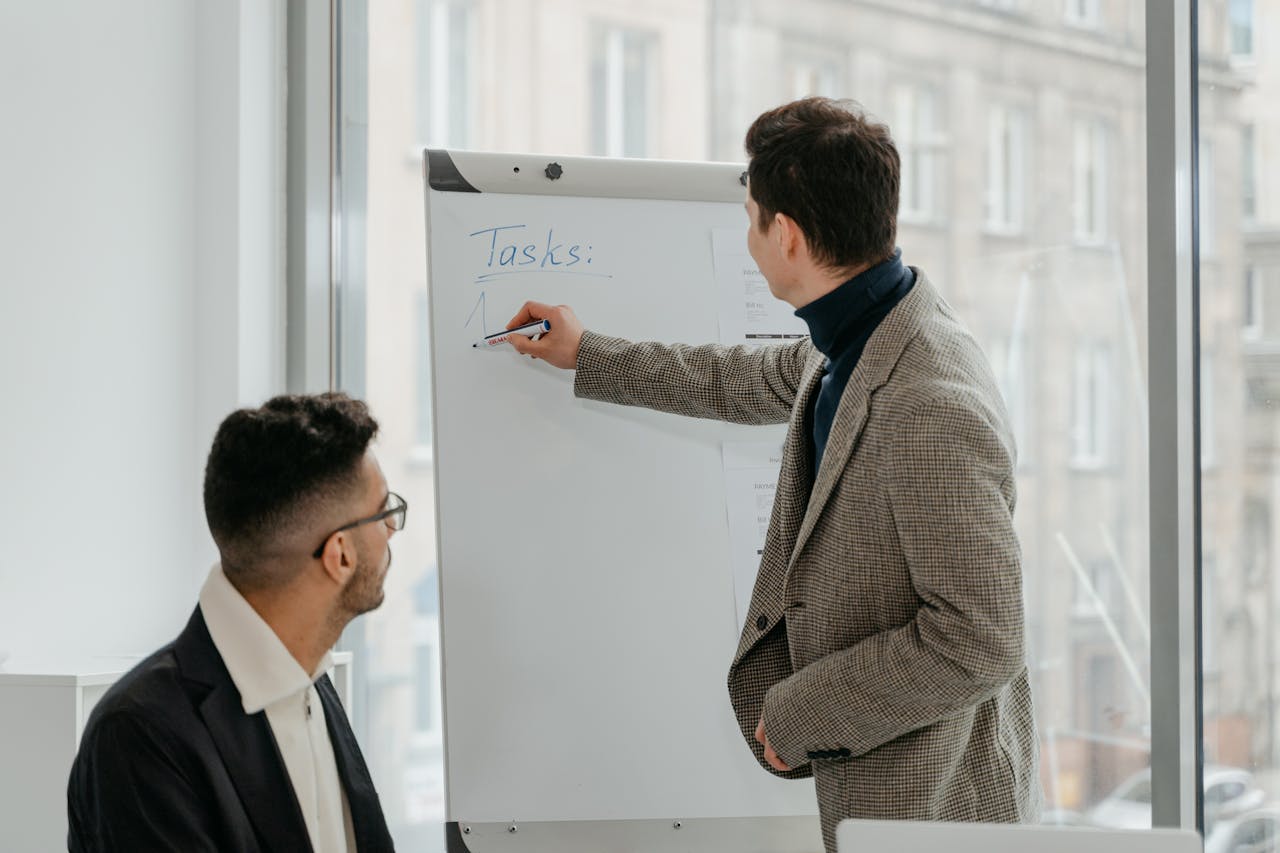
402 510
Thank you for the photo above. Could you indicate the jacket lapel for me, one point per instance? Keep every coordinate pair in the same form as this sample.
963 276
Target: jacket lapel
879 358
788 510
366 811
245 744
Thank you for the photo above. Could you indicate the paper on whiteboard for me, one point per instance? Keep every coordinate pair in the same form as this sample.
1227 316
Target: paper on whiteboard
750 479
749 313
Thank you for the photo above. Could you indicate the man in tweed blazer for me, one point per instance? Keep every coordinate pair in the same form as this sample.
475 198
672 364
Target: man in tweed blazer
883 653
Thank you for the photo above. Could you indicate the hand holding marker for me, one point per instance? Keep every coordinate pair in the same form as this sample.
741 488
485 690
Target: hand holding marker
531 330
556 343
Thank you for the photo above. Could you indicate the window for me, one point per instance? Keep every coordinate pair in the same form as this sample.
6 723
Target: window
1006 168
444 73
1257 540
422 383
1208 201
811 75
426 659
1238 425
1083 13
621 84
1252 302
1208 411
1096 595
1008 360
1046 310
1240 25
1248 174
1090 435
1091 176
918 134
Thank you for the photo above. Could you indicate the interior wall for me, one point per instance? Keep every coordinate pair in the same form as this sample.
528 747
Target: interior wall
140 167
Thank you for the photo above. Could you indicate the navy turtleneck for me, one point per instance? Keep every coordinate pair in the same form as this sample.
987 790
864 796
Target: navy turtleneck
840 324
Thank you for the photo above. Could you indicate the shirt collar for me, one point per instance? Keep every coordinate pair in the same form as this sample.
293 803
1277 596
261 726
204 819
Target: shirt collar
832 314
261 667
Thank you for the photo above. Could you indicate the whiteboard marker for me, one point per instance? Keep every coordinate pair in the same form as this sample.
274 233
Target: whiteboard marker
531 330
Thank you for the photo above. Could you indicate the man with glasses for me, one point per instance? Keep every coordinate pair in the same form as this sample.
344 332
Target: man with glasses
232 737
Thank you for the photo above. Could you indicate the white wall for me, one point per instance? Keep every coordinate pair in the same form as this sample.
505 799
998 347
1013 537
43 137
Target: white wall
140 277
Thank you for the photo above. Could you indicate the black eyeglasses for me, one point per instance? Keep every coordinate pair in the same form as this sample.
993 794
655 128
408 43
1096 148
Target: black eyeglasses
393 513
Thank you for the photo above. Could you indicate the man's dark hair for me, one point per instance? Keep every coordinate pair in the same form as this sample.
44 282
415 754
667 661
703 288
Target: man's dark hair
833 170
272 466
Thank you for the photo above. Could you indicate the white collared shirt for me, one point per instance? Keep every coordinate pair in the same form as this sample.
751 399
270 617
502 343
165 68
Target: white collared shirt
270 679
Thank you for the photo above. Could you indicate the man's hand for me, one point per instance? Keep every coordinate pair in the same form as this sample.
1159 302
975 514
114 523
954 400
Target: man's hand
769 755
558 347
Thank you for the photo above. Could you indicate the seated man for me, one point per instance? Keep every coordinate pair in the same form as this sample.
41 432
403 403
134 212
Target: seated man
232 736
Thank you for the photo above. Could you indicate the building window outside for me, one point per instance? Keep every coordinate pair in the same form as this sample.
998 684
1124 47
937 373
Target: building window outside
1208 201
426 676
1240 13
422 373
1083 13
1091 420
444 73
1008 361
814 76
1252 303
1090 180
1248 174
1006 169
918 133
1257 540
1209 604
1097 592
1208 410
622 73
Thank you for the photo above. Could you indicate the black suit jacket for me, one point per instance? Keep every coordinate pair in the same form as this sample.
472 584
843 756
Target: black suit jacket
170 761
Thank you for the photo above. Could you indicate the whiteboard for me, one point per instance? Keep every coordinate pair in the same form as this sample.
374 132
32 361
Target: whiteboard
587 609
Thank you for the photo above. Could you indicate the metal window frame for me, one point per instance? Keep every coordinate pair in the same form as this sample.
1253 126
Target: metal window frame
1173 360
312 212
1177 746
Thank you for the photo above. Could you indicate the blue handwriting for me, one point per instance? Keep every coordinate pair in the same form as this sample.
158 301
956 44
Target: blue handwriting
508 253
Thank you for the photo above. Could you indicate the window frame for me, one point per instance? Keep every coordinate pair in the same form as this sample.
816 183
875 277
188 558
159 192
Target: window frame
1008 135
611 117
1092 405
1242 57
924 147
1090 176
1085 14
440 91
316 281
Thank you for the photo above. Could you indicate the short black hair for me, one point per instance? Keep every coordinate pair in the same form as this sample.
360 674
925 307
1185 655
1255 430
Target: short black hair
271 465
833 170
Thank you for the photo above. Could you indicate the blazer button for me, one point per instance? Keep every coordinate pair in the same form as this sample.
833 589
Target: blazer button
762 621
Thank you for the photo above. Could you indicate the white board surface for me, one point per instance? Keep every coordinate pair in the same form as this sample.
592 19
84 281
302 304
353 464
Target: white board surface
587 602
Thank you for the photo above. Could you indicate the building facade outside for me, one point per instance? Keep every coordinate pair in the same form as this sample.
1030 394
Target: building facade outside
1021 126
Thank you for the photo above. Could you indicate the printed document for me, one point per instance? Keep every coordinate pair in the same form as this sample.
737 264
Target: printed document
750 479
749 313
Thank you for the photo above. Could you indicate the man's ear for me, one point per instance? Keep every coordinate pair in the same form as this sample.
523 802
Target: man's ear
789 236
339 558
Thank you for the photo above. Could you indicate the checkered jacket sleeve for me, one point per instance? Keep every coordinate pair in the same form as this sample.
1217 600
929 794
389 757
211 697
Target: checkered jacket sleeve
737 384
951 491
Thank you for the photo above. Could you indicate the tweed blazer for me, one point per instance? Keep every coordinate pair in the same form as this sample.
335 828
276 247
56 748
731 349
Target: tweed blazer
884 645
